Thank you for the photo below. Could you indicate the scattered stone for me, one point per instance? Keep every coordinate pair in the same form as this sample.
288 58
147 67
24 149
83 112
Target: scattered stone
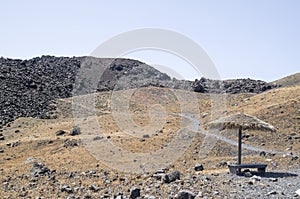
149 197
60 132
246 136
39 169
289 148
2 138
294 157
146 136
223 163
204 115
75 131
97 138
256 178
198 167
66 188
296 137
185 194
135 192
30 159
12 144
94 188
205 178
273 179
1 150
248 174
262 154
162 170
272 193
171 177
23 194
159 176
298 192
71 143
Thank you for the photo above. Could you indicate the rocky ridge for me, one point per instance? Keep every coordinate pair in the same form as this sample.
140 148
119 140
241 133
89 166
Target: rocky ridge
29 87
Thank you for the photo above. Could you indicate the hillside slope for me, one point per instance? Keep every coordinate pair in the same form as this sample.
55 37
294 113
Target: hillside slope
74 171
291 80
29 87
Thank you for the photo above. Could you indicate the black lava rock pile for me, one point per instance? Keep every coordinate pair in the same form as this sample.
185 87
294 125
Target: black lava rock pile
29 87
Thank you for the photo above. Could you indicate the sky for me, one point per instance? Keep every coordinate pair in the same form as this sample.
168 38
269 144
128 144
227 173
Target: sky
256 39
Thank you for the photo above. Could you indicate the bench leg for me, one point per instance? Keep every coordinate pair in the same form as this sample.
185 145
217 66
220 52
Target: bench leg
261 170
233 170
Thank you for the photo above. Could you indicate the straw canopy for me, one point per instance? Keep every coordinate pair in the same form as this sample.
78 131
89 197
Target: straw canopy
241 121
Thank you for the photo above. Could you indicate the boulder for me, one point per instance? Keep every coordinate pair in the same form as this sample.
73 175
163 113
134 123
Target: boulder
135 192
185 194
171 177
39 169
198 167
60 132
66 188
94 188
75 131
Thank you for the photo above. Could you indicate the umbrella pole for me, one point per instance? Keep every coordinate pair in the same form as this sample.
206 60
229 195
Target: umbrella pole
240 147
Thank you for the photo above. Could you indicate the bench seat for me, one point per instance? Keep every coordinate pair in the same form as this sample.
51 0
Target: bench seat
236 168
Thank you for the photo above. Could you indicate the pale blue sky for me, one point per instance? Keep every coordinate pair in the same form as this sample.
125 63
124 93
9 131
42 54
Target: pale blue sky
257 39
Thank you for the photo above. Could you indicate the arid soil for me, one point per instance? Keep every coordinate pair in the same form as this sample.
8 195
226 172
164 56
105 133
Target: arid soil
38 161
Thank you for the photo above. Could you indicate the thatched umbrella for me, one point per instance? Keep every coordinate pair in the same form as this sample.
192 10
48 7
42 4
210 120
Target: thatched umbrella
241 122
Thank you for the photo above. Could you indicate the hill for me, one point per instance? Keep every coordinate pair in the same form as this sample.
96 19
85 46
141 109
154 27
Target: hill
77 169
29 87
291 80
138 132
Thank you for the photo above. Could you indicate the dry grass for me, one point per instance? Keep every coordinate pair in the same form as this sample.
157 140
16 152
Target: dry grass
37 137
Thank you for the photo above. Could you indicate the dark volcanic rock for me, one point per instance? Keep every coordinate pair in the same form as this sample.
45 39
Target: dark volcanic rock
66 188
29 87
198 167
184 194
135 192
60 132
93 188
71 143
39 169
171 177
75 131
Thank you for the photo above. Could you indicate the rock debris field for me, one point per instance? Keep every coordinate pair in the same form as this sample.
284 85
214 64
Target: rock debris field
29 87
43 156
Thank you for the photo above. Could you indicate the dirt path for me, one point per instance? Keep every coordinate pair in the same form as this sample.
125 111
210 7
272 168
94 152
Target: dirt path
195 127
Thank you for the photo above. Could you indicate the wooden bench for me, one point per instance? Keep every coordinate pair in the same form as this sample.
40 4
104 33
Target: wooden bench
236 168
